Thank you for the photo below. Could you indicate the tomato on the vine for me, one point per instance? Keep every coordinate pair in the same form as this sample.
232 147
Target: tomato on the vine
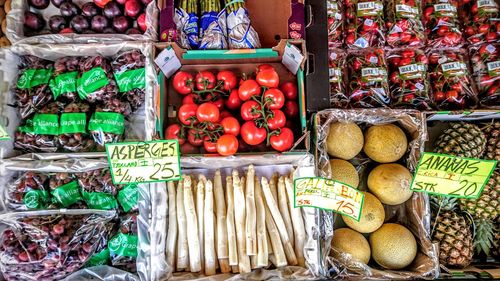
207 112
233 102
251 134
224 113
250 110
210 147
248 88
183 82
229 79
282 141
277 97
268 78
172 133
230 126
188 148
264 66
289 89
205 80
188 99
194 139
291 109
219 102
277 121
227 145
187 114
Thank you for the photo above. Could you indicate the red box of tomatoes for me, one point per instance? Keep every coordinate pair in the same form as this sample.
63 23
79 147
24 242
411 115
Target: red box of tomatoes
231 102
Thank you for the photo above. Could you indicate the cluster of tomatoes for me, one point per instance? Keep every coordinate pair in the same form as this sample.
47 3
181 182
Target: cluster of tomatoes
486 66
481 20
224 114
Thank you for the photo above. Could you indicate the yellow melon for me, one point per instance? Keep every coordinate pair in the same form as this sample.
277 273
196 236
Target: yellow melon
344 172
393 246
372 215
385 143
344 140
346 240
390 183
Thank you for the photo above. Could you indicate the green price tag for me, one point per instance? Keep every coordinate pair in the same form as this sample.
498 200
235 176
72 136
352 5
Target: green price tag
3 133
452 176
329 195
138 162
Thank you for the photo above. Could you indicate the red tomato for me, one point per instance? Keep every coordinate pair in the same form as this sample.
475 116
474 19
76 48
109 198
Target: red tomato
457 87
194 139
227 145
491 36
263 67
469 31
422 58
408 53
291 109
172 133
187 114
283 141
205 80
231 126
483 28
183 82
188 148
251 134
289 89
188 99
207 112
277 121
210 147
229 79
442 31
439 96
233 102
405 61
248 110
277 99
219 102
248 89
224 113
451 95
268 78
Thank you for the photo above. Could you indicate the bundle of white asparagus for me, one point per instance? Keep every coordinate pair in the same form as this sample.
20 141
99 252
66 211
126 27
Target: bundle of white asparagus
247 223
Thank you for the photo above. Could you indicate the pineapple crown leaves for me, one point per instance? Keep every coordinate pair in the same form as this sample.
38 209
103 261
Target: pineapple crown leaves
483 240
443 203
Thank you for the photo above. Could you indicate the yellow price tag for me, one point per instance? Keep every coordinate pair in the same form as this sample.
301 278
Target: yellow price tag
452 176
140 162
328 195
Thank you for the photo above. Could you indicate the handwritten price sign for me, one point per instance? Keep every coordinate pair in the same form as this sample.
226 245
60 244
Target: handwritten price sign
452 176
328 195
139 162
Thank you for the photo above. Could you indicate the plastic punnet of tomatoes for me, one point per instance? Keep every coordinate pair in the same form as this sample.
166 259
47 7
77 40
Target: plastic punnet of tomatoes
450 79
485 60
441 23
335 22
480 20
409 85
368 86
337 64
365 24
404 24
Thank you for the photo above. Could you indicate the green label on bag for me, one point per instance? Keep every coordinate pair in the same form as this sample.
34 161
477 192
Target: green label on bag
63 83
99 200
373 74
487 7
493 68
101 258
66 195
46 124
131 79
128 196
372 8
91 81
445 10
72 123
36 199
34 77
107 122
406 11
454 69
412 71
27 128
123 245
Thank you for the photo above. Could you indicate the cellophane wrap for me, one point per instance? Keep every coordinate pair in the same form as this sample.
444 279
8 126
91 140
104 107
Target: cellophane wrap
150 261
335 23
485 63
413 214
406 28
337 60
265 165
187 28
213 30
365 24
240 33
15 27
140 125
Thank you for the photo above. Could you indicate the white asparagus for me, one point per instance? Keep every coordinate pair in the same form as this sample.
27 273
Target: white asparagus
269 246
220 206
283 207
200 206
210 256
273 182
172 225
274 236
272 259
235 269
192 227
262 243
280 224
231 232
239 212
182 246
251 220
298 223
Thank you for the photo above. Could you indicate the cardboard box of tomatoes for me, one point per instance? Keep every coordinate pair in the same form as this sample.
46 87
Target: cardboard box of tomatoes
225 105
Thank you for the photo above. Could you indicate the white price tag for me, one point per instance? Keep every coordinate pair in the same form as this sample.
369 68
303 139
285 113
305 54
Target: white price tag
292 58
168 62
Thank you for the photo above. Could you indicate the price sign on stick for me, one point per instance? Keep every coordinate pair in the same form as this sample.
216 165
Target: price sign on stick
328 195
452 176
139 162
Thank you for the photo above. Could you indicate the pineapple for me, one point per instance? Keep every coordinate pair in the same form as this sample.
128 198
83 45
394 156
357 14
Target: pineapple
496 241
461 139
452 233
492 132
487 206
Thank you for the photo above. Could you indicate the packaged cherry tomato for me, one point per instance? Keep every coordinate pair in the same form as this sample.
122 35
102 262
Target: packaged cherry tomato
450 79
123 246
404 24
28 191
337 64
130 76
368 86
335 22
73 135
63 84
485 60
480 21
98 190
441 23
96 82
365 24
409 86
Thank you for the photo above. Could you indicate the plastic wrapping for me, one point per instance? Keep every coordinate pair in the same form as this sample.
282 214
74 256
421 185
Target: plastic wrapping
485 61
129 70
95 82
450 79
368 85
98 190
213 30
365 25
335 23
187 28
63 83
123 246
413 214
404 24
29 191
480 21
73 135
337 78
441 23
240 33
409 84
